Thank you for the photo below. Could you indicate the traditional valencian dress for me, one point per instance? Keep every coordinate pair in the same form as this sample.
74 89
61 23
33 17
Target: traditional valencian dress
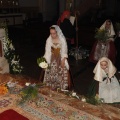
109 87
56 76
106 49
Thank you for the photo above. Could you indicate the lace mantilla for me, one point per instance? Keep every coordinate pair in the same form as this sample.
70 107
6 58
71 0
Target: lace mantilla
56 45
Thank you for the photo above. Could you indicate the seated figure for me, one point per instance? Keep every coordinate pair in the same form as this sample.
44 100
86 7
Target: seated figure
106 82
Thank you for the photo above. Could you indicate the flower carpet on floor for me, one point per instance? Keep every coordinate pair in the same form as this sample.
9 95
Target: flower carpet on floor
46 109
53 105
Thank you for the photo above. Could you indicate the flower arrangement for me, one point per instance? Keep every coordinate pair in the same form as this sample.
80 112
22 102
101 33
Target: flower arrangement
101 35
95 100
9 53
29 92
42 63
11 84
117 26
3 89
13 87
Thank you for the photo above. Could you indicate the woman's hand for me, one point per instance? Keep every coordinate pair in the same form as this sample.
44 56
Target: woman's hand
63 62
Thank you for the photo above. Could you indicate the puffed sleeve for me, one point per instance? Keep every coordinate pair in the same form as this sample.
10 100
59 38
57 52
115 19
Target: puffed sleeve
47 54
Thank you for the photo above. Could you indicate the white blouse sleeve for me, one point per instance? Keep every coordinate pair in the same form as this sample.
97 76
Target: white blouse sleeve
47 54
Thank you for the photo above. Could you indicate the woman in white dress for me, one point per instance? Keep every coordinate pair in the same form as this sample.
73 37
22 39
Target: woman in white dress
56 54
109 87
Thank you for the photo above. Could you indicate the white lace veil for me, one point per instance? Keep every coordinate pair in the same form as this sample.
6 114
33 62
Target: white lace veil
64 49
59 31
112 32
98 71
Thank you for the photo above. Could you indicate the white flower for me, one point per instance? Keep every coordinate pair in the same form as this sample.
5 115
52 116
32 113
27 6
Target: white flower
14 62
11 84
83 100
9 53
11 47
64 90
43 65
27 84
73 94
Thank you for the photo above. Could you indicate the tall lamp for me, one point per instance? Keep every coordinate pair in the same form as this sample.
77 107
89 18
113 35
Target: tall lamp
77 54
75 51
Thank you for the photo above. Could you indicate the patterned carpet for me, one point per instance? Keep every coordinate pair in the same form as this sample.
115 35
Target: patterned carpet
58 106
46 109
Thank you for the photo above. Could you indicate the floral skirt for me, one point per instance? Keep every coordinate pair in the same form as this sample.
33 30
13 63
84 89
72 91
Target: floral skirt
56 76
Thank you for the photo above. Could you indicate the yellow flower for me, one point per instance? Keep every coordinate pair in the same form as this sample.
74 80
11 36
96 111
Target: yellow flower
3 90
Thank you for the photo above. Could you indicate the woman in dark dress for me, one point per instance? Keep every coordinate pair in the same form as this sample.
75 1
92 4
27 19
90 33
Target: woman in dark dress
67 28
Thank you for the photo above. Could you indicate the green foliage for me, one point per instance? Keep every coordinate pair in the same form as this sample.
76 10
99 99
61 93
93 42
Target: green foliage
95 100
101 35
9 53
41 59
92 100
30 93
3 25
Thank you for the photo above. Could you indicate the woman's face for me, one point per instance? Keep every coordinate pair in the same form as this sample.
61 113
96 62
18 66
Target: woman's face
108 24
53 33
103 65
